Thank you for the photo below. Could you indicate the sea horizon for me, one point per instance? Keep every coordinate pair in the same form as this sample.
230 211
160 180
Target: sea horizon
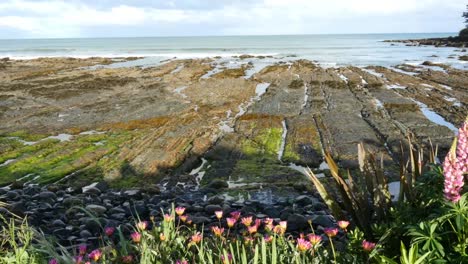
328 50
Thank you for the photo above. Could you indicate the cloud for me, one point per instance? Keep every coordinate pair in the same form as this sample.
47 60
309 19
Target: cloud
77 18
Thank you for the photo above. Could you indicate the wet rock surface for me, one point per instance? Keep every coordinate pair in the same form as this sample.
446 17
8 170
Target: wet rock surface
236 125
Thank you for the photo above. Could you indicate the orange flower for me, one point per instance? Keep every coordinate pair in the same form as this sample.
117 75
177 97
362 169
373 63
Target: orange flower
368 246
217 231
343 224
331 232
303 245
196 238
180 210
231 221
219 214
314 239
247 221
252 229
183 218
162 237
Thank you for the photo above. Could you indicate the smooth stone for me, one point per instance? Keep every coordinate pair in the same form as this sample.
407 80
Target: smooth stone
92 190
47 196
323 220
218 184
85 234
198 220
296 222
211 208
97 209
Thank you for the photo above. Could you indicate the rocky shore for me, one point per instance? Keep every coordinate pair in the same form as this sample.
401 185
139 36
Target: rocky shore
456 42
231 133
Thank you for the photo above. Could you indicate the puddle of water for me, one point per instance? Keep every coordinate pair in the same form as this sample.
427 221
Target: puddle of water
342 77
283 140
62 137
372 72
178 69
261 89
394 189
324 166
435 118
92 132
395 86
378 103
7 162
180 90
198 171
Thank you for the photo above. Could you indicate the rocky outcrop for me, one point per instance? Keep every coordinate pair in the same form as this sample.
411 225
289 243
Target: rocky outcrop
76 121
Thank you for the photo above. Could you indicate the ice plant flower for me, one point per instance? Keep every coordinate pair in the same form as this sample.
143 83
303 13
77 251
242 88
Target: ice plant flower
269 227
219 214
162 237
231 222
268 221
78 259
136 237
456 164
217 231
252 229
247 221
331 232
314 239
303 245
228 260
183 218
82 250
268 238
181 262
368 246
180 210
53 261
258 222
278 229
168 218
127 259
343 224
284 225
109 231
142 225
95 255
196 238
236 215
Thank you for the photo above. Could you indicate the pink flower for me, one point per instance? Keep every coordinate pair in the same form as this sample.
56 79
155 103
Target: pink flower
236 215
455 165
181 262
136 237
343 224
168 218
219 214
78 259
303 245
217 230
314 239
252 229
183 218
331 232
284 225
82 250
268 221
180 210
109 231
53 261
228 260
95 255
268 238
258 222
142 225
231 222
196 238
247 221
127 259
368 246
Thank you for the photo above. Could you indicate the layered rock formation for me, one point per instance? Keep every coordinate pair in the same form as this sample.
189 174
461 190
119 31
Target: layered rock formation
209 120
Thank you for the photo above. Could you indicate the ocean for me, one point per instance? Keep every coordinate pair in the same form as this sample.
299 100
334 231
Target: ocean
326 50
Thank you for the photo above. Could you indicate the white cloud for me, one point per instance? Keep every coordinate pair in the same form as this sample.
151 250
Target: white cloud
54 18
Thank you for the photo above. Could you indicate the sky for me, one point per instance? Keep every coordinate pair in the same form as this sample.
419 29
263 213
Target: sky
118 18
